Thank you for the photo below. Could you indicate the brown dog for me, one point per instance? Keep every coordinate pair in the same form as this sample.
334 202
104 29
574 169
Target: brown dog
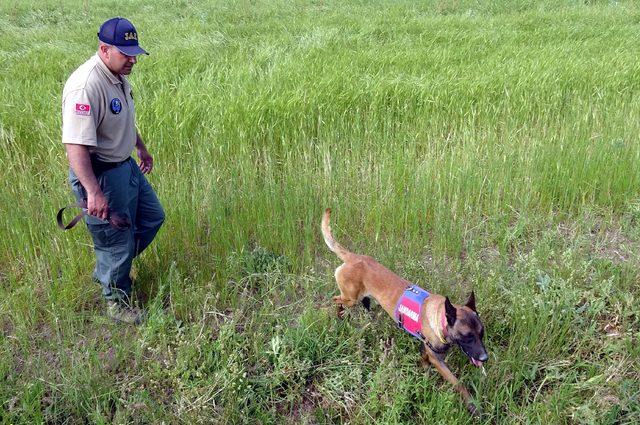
442 323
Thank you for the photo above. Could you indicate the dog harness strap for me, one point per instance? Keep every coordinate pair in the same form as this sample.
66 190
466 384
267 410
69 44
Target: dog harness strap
408 311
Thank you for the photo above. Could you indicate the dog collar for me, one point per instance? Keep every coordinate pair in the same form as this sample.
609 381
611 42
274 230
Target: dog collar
441 333
443 326
437 321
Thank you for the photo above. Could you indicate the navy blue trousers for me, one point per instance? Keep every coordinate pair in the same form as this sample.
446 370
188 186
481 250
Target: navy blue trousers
129 194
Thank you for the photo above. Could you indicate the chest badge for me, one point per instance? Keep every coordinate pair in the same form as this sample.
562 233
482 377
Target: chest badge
116 105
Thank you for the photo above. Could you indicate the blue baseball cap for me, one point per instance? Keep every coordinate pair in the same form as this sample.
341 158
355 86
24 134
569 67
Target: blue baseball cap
121 33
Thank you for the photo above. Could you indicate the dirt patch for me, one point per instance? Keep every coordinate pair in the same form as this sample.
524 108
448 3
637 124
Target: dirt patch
603 241
6 327
615 246
489 255
311 399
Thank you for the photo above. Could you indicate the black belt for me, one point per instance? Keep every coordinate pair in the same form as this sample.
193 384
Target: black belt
100 167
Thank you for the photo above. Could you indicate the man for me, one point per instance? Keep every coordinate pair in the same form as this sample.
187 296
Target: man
99 134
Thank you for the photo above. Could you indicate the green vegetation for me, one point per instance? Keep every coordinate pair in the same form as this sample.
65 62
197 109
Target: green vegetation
464 144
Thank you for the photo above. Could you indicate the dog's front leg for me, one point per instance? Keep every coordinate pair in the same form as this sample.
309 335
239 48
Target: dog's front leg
443 369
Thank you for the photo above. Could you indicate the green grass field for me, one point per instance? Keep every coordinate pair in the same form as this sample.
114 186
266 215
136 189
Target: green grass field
491 145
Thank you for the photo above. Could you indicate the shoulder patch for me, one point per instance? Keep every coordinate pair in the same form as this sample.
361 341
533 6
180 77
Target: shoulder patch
83 109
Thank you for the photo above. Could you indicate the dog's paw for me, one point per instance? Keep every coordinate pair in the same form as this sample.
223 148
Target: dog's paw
474 410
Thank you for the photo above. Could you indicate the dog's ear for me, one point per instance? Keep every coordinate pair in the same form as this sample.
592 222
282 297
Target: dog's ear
450 312
471 302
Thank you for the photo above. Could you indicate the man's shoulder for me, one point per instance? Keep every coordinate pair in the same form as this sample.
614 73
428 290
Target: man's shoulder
85 77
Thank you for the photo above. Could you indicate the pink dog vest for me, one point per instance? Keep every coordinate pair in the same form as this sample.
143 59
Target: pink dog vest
409 310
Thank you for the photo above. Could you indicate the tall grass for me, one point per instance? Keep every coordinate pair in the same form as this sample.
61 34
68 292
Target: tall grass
464 144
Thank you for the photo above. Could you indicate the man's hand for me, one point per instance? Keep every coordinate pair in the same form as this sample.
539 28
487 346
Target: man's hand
146 160
97 205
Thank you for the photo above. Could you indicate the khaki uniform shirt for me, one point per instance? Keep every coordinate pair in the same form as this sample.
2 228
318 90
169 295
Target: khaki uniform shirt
98 112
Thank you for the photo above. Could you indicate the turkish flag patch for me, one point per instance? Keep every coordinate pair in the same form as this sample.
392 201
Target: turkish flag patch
83 109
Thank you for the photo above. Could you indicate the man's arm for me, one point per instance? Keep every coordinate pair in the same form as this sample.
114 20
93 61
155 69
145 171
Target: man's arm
80 162
146 160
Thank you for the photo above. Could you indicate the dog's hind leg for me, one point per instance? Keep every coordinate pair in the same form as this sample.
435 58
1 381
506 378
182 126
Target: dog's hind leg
343 301
366 302
349 289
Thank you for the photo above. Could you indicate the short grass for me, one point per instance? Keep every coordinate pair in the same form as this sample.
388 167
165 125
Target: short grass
465 144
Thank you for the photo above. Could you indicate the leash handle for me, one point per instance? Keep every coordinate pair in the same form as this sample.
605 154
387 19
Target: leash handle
75 219
118 221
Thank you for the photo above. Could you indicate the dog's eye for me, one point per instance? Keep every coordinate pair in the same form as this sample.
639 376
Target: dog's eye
466 338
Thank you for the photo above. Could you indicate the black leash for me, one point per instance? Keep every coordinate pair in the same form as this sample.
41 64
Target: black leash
116 220
75 219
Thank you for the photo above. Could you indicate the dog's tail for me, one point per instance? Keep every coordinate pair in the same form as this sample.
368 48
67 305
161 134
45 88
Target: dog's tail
333 245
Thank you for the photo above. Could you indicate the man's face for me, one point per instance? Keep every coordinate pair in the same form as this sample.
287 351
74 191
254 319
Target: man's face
116 61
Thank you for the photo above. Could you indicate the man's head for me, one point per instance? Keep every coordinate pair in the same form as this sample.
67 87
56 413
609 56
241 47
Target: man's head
119 45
